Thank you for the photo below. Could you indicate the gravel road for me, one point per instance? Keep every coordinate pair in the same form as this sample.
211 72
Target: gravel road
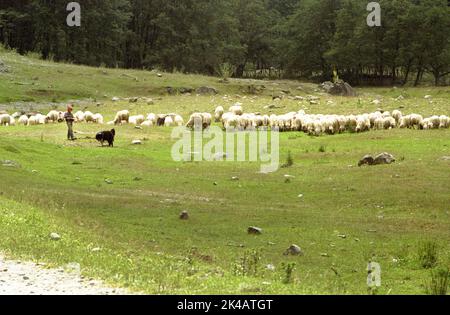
26 278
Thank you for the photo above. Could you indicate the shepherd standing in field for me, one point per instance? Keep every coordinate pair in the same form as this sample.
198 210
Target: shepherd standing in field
68 116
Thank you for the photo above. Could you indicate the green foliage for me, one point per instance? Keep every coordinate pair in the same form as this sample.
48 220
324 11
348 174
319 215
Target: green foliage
248 264
428 254
439 282
258 38
288 269
289 161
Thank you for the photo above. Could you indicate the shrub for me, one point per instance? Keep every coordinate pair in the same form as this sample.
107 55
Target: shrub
428 254
289 161
439 282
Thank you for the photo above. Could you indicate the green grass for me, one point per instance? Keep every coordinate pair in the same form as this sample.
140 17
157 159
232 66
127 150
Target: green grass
385 212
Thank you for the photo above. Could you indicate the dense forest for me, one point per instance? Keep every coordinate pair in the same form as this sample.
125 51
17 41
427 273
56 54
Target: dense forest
312 39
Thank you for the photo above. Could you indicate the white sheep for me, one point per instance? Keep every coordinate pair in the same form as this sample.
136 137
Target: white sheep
52 117
178 120
389 123
207 120
236 109
147 123
89 117
40 119
32 121
218 113
168 122
98 119
23 120
397 116
152 117
136 120
444 122
122 116
5 120
79 116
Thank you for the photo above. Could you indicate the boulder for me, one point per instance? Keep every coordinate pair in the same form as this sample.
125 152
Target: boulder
339 88
384 158
254 230
294 250
380 159
206 90
366 160
184 215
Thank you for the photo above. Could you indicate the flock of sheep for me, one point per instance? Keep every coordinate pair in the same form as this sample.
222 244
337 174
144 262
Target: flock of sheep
236 118
317 124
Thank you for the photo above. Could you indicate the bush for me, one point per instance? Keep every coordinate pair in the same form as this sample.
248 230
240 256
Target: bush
439 282
289 161
428 255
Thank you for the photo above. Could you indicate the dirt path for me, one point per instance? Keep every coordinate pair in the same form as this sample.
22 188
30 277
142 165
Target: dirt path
26 278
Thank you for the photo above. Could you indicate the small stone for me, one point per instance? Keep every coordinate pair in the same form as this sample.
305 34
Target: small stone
136 142
108 181
234 178
300 196
270 267
343 236
294 250
115 99
324 255
184 215
55 237
138 127
254 230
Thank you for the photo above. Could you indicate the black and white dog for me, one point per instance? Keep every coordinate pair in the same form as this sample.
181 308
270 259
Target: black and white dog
107 136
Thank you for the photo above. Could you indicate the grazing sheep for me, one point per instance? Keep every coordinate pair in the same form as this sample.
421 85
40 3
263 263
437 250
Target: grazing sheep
79 116
122 116
147 123
52 117
362 124
236 109
207 120
152 117
415 120
389 123
397 116
5 120
136 120
89 117
218 113
98 119
178 120
444 122
40 119
405 122
426 124
168 122
33 121
23 120
195 121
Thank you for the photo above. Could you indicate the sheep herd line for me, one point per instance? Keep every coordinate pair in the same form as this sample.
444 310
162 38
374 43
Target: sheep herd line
237 119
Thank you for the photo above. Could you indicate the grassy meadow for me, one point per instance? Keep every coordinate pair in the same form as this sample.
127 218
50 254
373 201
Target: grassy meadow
117 209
